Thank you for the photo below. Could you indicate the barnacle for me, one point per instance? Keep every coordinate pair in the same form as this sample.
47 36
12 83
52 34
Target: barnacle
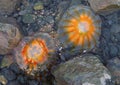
34 51
79 27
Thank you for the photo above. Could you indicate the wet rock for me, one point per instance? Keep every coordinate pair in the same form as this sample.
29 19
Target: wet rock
3 80
9 35
22 79
13 83
15 68
33 82
29 18
114 67
115 28
113 50
38 6
83 70
6 61
8 74
8 6
104 6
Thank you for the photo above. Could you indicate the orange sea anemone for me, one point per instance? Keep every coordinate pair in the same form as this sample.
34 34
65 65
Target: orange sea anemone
79 26
34 51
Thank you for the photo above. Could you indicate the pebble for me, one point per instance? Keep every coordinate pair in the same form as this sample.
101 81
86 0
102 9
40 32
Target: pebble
8 74
28 18
33 82
38 6
13 83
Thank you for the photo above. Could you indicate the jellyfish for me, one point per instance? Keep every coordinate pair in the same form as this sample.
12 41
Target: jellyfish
79 27
34 51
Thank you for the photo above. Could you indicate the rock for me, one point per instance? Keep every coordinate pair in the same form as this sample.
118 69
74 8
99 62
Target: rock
3 80
113 50
13 83
114 67
115 28
38 6
104 6
9 35
22 79
15 68
6 61
8 6
8 74
84 70
28 18
33 82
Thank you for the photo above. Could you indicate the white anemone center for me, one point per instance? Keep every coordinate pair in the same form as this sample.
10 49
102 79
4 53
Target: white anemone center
83 27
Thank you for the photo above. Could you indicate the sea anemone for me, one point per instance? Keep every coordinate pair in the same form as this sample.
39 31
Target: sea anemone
33 52
79 27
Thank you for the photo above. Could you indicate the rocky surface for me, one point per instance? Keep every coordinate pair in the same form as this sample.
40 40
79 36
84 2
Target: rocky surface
82 70
114 67
43 16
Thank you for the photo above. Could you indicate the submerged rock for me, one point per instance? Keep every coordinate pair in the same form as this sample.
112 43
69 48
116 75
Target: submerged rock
104 6
83 70
9 35
8 6
114 67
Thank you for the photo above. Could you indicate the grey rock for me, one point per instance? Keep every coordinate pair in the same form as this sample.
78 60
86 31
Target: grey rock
9 35
15 68
13 83
114 67
84 70
3 80
115 28
104 6
29 18
113 50
8 74
8 6
33 82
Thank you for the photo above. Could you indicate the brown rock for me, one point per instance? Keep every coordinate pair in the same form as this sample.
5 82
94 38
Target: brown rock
8 6
9 36
105 6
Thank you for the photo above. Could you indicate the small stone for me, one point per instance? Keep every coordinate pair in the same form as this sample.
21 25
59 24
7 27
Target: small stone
6 61
104 6
38 6
15 68
29 18
33 82
84 70
13 83
8 74
8 6
114 67
3 80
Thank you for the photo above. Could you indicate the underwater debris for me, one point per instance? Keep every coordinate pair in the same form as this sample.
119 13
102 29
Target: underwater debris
79 27
33 53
